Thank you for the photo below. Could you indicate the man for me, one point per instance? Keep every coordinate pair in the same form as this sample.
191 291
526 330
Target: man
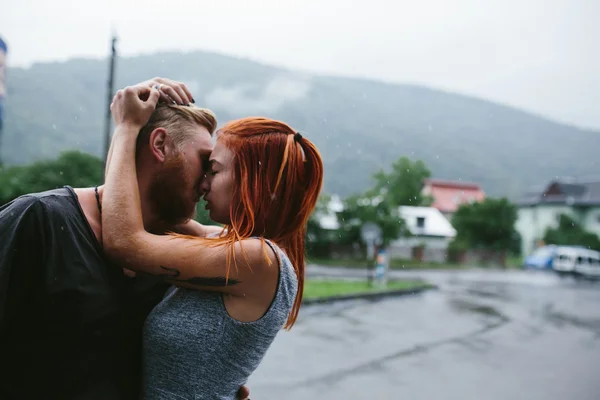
70 321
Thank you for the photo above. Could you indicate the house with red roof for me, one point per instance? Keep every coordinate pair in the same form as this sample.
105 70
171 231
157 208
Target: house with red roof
449 195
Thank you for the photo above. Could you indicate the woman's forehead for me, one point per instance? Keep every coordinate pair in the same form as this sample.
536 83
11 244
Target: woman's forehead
221 153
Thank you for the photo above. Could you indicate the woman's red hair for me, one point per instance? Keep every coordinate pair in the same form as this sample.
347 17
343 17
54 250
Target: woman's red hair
278 177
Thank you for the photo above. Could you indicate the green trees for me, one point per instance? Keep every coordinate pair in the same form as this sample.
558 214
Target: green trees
570 233
486 225
72 168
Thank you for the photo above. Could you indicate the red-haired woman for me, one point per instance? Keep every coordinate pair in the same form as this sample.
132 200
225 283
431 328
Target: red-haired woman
236 290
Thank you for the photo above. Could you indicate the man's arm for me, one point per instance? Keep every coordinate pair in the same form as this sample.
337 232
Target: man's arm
194 228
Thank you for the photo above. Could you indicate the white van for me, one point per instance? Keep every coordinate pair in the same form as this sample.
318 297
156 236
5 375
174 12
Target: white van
577 260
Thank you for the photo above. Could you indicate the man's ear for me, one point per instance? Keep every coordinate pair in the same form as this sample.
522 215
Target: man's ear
161 144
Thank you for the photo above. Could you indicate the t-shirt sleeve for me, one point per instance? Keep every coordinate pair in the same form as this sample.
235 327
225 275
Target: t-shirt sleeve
21 252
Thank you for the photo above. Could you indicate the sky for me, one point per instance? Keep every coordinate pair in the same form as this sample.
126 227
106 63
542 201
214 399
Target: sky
539 55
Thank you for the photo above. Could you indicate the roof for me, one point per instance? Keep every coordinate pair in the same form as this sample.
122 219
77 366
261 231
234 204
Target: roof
565 192
452 184
434 222
449 195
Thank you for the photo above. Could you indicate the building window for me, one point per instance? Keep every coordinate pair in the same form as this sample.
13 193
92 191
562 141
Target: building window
420 222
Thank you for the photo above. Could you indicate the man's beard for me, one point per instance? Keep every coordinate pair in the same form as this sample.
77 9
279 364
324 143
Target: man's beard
171 192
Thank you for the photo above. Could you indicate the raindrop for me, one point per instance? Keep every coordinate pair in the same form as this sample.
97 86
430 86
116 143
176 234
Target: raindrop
407 169
54 126
259 163
437 157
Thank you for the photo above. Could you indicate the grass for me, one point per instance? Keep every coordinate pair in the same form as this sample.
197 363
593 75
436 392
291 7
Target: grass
328 288
394 264
514 262
397 264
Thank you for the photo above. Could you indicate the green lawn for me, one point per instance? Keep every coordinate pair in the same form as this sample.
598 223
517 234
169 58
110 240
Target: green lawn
327 288
394 264
511 262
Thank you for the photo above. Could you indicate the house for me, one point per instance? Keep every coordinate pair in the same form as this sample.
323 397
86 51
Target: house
449 195
431 231
328 219
540 209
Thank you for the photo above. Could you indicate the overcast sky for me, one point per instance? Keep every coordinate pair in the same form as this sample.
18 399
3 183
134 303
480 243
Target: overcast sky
541 55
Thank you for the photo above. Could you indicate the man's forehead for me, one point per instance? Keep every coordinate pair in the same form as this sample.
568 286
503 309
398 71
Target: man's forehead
200 140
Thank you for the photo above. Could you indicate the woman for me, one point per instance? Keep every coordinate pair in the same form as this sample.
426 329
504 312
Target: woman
236 290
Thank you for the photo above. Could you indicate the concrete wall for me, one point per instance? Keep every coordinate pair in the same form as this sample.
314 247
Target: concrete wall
435 248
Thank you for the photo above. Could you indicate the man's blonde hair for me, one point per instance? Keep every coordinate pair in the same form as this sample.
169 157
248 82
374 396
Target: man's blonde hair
175 119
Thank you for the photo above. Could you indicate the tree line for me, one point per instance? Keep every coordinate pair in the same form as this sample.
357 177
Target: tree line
481 225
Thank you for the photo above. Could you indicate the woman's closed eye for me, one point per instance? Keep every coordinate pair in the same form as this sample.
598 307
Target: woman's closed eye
211 171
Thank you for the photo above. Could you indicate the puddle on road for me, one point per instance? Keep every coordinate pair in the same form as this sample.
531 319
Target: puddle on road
560 320
480 309
487 291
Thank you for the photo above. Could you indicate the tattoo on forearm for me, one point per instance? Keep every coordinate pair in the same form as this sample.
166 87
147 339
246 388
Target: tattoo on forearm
217 281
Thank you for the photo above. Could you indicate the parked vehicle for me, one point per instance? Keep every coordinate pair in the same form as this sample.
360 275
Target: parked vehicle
541 258
577 260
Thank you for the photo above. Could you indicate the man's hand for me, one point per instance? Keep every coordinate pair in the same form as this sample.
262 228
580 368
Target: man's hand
134 105
171 92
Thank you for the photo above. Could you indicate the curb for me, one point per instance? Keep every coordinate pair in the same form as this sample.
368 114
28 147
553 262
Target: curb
369 296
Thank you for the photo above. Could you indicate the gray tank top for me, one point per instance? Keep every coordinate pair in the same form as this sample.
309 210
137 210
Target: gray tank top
194 350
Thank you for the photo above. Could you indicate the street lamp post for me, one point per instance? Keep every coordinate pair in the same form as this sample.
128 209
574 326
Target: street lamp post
110 94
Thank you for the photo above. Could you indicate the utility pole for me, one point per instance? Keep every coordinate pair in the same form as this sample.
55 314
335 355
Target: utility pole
110 94
3 51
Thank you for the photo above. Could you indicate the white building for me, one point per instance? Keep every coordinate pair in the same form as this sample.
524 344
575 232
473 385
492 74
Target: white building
429 228
541 208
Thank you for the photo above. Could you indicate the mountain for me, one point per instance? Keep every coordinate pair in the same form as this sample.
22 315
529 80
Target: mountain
359 125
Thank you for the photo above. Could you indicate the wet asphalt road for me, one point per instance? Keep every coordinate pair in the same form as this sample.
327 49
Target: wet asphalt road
482 335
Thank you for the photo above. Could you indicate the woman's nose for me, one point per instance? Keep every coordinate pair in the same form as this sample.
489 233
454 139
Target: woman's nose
204 185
